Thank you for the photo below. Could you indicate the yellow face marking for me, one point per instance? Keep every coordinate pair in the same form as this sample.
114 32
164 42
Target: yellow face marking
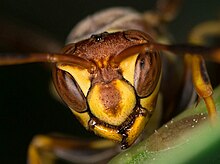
128 68
108 133
82 76
136 129
107 106
82 117
150 101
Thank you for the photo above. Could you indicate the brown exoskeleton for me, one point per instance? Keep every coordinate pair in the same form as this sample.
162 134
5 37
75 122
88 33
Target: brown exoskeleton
110 71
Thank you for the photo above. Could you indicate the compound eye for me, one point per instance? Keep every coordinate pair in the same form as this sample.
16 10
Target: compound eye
70 91
147 73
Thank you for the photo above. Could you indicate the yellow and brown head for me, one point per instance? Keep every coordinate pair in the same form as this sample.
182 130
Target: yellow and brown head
114 96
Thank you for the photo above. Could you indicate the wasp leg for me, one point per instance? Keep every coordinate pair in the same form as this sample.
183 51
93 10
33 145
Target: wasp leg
165 11
201 32
202 84
168 9
51 149
209 33
200 76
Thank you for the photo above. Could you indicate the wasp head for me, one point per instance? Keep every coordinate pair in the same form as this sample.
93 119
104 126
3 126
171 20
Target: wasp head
115 99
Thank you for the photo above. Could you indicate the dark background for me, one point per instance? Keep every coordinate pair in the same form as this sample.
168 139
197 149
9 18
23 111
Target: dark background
26 106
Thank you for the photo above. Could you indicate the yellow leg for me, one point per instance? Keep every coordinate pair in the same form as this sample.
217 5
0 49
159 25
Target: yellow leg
165 12
202 84
204 30
40 150
201 32
200 76
48 149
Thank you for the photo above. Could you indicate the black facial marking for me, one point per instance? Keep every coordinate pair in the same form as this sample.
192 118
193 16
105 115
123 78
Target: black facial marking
124 143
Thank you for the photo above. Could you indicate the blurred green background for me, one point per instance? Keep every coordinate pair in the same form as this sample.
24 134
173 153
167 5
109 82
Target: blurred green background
26 106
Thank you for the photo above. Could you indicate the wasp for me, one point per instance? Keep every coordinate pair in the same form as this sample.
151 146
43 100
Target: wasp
111 71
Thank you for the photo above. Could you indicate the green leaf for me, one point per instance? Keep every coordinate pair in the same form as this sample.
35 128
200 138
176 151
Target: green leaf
188 138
